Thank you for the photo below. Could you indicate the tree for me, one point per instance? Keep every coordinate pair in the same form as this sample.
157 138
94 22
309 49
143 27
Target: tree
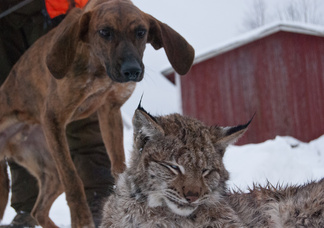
306 11
258 12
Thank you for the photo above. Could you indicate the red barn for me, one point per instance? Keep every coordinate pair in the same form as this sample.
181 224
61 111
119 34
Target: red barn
276 72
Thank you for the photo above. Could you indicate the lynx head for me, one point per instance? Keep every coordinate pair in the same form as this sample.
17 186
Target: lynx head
177 161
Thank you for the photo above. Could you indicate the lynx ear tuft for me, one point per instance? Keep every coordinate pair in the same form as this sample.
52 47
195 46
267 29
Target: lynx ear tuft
232 134
144 112
145 127
225 136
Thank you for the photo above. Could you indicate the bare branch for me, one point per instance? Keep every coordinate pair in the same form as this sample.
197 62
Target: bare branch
256 16
306 11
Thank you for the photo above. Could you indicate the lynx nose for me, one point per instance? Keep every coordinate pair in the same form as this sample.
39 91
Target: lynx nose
191 196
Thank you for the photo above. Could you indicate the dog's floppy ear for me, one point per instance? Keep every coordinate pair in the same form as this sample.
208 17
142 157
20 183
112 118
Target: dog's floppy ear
180 53
65 40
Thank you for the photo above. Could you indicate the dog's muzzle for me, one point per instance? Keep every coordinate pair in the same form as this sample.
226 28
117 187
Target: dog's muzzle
131 71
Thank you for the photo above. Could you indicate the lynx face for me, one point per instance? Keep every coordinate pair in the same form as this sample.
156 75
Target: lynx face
177 161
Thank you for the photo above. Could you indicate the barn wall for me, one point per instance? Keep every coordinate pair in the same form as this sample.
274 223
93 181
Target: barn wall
280 78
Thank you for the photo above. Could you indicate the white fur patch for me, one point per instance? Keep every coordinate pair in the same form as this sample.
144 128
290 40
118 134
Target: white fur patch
183 211
182 169
154 200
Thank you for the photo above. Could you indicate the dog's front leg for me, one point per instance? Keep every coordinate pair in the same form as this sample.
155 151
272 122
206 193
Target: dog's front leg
111 126
54 129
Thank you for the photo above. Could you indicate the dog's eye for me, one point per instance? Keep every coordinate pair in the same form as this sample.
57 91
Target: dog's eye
140 33
106 33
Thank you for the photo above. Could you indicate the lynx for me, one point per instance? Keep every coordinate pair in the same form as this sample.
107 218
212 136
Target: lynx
176 178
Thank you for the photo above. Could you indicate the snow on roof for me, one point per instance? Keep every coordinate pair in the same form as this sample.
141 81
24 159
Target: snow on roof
253 35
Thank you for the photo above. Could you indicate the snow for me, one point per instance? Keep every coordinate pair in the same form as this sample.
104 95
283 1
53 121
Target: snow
283 160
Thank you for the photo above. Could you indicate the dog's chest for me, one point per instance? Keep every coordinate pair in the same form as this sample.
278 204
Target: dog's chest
102 92
88 106
92 94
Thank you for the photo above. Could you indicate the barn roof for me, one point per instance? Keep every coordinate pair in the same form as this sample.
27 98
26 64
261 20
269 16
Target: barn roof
253 35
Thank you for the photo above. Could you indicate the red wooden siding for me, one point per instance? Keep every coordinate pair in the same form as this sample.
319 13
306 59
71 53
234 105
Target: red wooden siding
279 77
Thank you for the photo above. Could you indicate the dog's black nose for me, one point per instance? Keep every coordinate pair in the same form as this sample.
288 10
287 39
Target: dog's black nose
131 71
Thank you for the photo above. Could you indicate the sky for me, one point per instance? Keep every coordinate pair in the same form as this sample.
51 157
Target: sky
202 23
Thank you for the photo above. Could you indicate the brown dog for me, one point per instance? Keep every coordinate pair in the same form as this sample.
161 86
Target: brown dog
88 64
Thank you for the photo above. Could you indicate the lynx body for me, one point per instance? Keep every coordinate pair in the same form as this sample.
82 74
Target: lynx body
177 178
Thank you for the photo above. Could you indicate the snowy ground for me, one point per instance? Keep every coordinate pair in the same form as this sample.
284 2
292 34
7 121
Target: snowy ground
283 160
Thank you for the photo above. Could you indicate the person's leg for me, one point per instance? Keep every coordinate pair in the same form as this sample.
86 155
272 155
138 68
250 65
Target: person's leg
24 190
91 161
12 47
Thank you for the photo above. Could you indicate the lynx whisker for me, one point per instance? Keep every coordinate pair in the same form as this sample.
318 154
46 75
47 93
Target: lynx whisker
173 195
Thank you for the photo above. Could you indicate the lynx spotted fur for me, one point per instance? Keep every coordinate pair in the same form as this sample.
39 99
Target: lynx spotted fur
177 178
